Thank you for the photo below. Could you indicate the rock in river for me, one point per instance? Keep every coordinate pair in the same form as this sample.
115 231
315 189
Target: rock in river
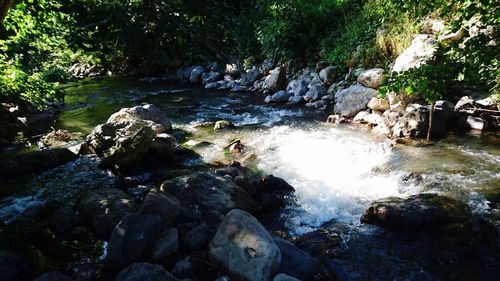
243 247
145 271
417 212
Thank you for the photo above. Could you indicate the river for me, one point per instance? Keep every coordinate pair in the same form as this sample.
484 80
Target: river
336 170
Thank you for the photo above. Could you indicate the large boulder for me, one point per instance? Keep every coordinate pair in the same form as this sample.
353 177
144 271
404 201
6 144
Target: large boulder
195 75
104 208
146 112
295 262
20 164
372 78
352 100
145 271
316 92
210 77
420 51
132 237
379 105
162 204
298 87
281 96
276 80
210 192
167 244
417 212
249 78
411 124
328 74
243 247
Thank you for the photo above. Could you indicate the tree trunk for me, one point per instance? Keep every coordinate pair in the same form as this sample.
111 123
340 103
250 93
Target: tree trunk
431 112
4 8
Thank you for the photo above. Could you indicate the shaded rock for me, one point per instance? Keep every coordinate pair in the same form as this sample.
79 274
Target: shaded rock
352 100
276 80
315 93
210 77
162 148
198 237
321 65
284 277
377 104
9 126
320 243
407 124
144 271
162 204
223 124
244 248
214 85
210 192
270 183
229 171
267 66
372 78
281 96
14 165
13 266
417 212
195 75
317 104
53 276
328 74
298 87
167 244
295 262
132 237
103 209
63 220
249 78
296 100
146 112
191 268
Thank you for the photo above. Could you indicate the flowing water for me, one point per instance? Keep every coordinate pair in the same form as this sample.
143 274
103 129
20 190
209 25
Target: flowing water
337 171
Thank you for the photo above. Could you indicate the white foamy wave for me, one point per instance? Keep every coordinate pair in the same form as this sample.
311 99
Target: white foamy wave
333 170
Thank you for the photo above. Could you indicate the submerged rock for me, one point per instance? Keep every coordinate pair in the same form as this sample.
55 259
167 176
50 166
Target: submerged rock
243 247
295 262
59 138
14 165
145 271
417 212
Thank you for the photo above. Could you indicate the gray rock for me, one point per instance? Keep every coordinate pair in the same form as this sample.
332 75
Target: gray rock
53 276
214 85
198 237
146 112
372 78
352 100
132 237
276 80
243 247
162 204
420 51
281 96
266 66
417 212
210 77
249 78
195 75
104 208
223 124
328 75
167 244
298 87
144 271
284 277
377 104
163 147
210 192
475 123
317 104
295 262
315 93
296 100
